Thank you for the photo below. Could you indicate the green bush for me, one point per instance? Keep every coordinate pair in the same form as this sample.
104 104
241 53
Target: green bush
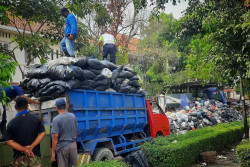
166 152
243 153
113 163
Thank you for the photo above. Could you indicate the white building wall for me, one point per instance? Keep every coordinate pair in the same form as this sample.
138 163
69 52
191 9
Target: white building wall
6 38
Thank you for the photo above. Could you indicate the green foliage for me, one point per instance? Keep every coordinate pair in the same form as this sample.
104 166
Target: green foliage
41 26
7 68
163 152
113 163
34 45
243 153
122 56
159 53
228 36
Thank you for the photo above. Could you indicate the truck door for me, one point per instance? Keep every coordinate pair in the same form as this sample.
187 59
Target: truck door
158 121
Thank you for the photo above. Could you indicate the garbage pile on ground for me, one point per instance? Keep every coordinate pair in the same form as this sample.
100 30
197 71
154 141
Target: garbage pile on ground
200 115
49 81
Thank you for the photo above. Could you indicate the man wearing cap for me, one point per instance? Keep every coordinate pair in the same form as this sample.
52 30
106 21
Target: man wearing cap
64 131
24 133
108 41
70 33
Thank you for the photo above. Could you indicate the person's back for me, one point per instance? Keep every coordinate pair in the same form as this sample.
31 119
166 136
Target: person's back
24 129
108 39
65 125
24 133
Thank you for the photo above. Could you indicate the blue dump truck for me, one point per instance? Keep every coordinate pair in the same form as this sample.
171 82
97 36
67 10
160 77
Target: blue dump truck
110 123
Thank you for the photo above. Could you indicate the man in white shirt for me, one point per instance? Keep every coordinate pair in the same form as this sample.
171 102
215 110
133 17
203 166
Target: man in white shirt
108 41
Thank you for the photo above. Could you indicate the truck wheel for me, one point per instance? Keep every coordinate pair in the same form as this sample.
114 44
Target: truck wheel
102 154
159 134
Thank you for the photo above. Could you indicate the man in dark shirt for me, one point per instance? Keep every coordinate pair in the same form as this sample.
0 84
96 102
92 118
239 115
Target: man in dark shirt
11 94
24 133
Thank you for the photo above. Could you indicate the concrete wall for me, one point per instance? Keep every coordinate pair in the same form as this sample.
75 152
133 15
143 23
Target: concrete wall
6 36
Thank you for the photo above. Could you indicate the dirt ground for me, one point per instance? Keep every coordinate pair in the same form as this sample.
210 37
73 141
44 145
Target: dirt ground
225 158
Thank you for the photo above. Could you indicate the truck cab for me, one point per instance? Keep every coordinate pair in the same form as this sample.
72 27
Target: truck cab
157 120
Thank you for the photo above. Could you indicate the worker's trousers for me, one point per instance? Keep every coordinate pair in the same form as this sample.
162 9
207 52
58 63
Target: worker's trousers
109 49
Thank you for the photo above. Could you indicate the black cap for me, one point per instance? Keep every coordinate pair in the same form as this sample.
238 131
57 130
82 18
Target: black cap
64 10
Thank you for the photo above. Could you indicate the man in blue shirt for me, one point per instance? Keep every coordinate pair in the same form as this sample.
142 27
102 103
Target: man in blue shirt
70 33
11 94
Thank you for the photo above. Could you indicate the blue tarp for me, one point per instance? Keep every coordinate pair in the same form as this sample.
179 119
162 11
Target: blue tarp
210 92
183 101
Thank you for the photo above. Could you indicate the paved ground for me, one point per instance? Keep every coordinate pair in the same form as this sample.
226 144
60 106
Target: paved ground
230 160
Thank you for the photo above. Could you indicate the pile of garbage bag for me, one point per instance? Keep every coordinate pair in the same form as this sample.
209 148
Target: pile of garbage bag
49 81
200 115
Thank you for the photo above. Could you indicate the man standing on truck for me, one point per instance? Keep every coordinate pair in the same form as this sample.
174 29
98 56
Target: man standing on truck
64 131
11 94
108 41
24 133
70 33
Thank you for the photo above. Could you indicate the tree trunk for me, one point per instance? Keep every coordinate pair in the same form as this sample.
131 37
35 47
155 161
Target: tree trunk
246 130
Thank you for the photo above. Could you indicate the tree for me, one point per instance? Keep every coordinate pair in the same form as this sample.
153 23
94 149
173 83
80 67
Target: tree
219 46
123 17
41 21
159 56
7 68
228 28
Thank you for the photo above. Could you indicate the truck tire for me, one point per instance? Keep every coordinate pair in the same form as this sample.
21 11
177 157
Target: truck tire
102 154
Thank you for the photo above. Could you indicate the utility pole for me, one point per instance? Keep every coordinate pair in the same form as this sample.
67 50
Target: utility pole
242 96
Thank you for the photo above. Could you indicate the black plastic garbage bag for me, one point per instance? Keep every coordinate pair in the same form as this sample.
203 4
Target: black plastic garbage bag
37 71
88 84
125 74
104 82
100 77
137 159
134 83
101 88
88 74
62 72
55 90
130 70
74 84
62 84
115 74
134 78
96 72
110 65
125 89
95 64
33 84
214 121
120 80
82 62
44 82
24 83
117 87
141 91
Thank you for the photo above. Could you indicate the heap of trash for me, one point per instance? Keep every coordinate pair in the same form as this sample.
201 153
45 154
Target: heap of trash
52 80
199 115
